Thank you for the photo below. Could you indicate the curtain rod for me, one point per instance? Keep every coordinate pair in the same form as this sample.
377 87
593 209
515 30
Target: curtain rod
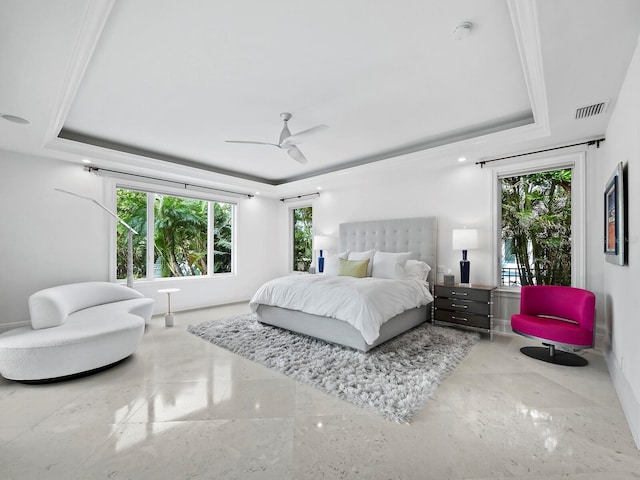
314 194
184 185
588 142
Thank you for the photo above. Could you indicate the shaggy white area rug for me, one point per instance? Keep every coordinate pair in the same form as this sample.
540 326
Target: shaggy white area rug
395 379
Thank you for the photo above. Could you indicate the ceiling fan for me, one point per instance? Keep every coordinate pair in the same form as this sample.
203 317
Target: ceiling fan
287 141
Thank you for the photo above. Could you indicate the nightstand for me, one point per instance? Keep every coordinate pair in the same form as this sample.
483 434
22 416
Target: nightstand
464 305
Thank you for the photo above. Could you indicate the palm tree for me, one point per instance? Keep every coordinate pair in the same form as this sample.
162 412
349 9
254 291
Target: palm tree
302 238
222 237
180 236
536 216
132 208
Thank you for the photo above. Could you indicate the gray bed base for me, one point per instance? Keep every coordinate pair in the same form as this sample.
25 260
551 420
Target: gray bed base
418 235
338 331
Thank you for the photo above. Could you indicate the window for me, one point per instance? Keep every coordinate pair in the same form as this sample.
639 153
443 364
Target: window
536 228
177 236
539 219
302 235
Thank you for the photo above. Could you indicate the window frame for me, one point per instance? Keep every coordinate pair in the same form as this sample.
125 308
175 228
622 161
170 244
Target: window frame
576 161
152 189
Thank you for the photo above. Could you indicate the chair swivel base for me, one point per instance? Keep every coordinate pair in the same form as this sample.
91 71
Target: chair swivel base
551 355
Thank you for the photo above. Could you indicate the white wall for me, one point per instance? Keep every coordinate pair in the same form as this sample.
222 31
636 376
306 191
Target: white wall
49 238
620 283
457 193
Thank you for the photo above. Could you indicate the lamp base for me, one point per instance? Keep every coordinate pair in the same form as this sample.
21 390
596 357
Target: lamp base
168 320
465 268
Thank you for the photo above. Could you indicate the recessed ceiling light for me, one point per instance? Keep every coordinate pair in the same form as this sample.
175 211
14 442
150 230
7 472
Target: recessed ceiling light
15 119
257 193
462 159
86 160
319 188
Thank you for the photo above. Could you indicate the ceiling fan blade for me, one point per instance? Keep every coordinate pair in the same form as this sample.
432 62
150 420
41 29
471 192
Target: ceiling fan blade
252 142
295 153
302 136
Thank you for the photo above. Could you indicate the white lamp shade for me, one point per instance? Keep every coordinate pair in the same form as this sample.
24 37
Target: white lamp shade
322 242
465 238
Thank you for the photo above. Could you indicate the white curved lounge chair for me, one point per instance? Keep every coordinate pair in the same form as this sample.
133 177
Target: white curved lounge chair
75 328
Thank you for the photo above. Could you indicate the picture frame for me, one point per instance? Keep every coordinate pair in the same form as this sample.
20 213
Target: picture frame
614 218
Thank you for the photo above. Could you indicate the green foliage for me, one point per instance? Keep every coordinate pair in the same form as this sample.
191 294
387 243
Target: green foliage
180 242
222 237
536 216
132 208
302 238
180 235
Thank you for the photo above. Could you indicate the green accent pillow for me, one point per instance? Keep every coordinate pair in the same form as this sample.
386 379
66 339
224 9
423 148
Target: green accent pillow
353 268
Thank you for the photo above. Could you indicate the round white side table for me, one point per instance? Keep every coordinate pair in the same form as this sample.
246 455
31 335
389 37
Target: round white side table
168 318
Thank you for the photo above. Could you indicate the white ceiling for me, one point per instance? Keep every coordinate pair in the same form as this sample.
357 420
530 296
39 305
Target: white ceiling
159 85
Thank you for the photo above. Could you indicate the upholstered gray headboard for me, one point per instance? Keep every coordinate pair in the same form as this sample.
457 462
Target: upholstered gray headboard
417 235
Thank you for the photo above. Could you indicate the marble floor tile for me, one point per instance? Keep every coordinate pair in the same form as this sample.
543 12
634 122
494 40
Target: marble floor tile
182 408
52 452
9 433
225 449
27 405
218 399
102 405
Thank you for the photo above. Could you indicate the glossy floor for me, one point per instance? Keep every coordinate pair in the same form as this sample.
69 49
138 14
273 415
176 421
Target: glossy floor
183 408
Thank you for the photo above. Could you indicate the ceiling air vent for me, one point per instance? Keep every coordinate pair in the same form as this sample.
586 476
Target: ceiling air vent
592 110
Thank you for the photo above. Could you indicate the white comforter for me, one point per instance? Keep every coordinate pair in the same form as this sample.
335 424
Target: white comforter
365 303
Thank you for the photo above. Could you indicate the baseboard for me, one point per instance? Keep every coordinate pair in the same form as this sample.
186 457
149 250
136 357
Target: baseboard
501 326
5 327
630 404
204 307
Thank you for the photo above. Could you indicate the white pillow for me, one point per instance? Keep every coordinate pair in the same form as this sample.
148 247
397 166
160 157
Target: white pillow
389 265
418 269
331 263
363 256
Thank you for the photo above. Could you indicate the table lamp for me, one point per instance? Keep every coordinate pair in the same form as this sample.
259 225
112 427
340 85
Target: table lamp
465 239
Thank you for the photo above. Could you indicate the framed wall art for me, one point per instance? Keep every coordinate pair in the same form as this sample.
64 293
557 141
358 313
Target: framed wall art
614 218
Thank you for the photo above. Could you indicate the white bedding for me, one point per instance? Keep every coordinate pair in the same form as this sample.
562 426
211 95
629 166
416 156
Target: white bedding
365 303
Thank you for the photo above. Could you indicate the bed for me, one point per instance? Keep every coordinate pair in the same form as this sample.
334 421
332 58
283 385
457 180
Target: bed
415 235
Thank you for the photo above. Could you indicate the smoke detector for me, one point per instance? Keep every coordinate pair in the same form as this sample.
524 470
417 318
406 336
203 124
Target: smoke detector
462 30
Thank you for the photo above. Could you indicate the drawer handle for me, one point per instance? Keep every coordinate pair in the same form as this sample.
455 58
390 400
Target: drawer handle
459 318
459 306
464 294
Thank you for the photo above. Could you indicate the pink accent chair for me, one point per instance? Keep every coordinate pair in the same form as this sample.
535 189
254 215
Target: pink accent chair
558 317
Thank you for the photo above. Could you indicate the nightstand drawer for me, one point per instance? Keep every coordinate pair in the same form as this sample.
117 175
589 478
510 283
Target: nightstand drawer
463 306
461 318
463 293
